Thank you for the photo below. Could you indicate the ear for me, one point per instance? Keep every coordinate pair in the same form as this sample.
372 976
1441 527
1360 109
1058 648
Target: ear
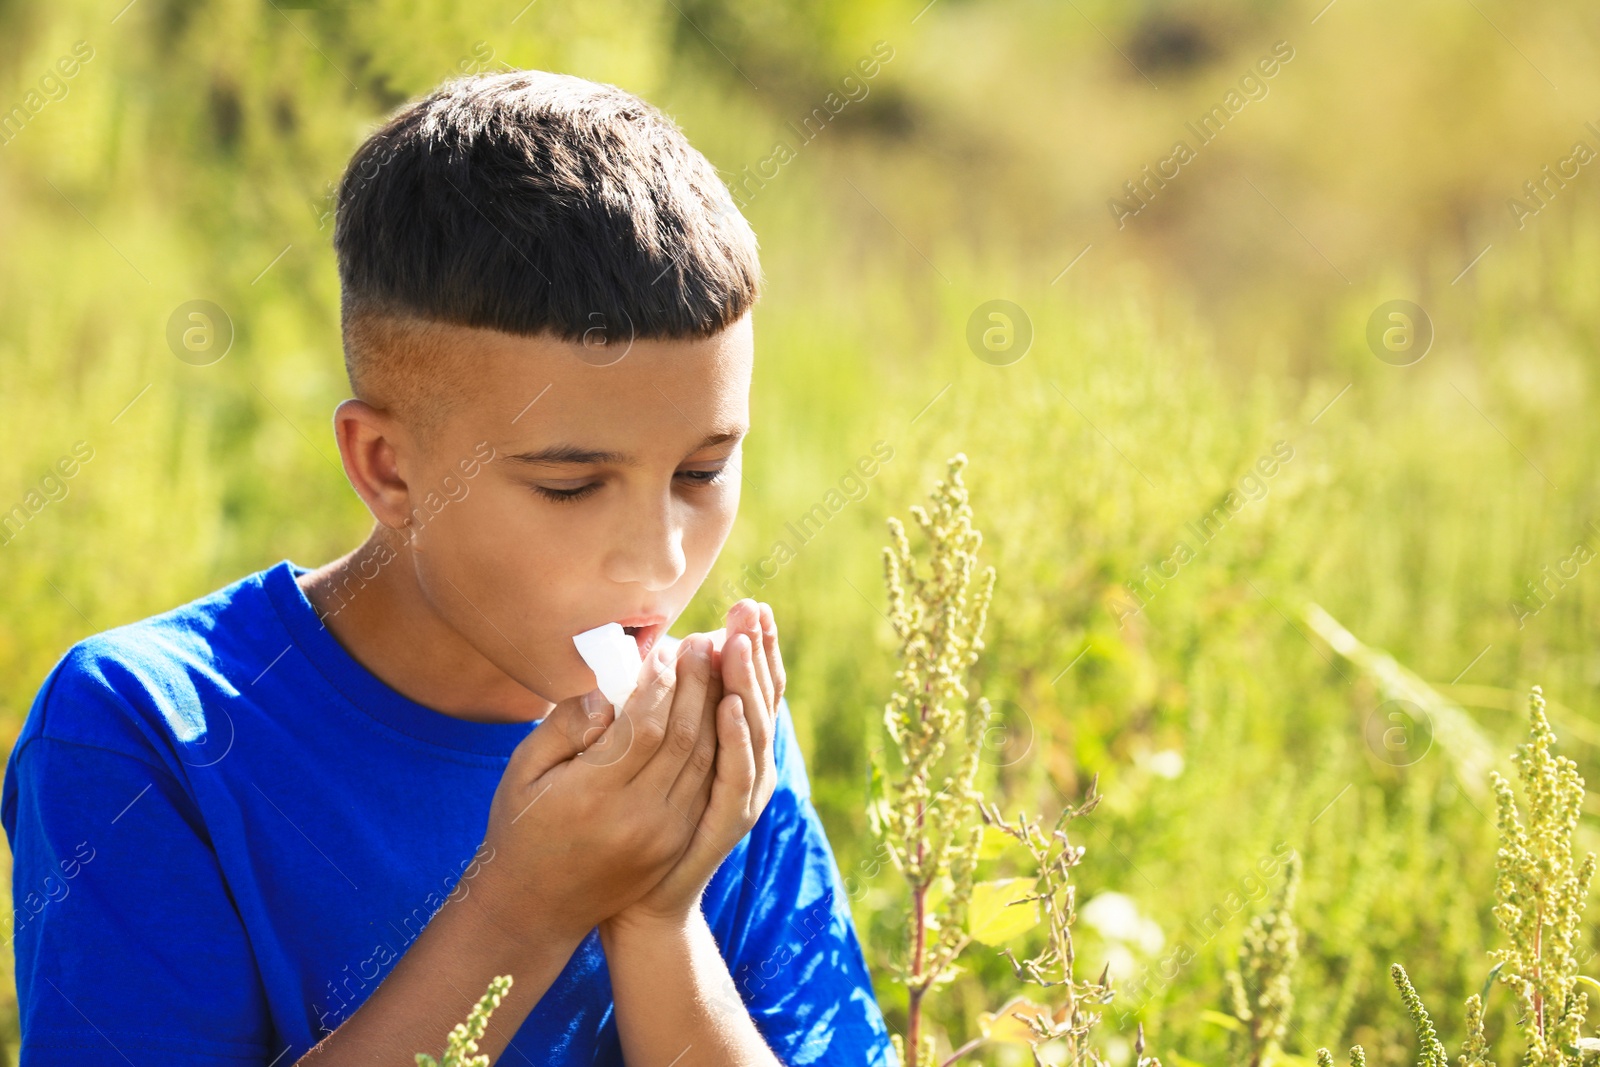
375 450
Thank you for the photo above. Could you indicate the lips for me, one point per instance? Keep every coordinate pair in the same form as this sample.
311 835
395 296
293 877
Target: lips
645 631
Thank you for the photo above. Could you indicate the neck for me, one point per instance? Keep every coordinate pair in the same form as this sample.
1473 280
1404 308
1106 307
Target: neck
370 602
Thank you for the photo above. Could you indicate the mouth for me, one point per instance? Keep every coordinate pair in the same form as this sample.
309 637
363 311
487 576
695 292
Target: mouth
645 636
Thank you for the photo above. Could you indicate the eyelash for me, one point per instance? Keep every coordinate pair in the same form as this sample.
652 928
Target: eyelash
568 496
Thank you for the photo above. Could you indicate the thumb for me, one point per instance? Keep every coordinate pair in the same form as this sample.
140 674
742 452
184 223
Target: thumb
570 728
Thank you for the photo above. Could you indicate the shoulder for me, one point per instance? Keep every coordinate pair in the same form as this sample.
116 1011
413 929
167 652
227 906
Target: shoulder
140 687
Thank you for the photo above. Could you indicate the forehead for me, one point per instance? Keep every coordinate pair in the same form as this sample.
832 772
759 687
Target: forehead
635 400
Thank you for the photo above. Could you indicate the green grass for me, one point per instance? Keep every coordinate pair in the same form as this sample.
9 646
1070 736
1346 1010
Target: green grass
194 148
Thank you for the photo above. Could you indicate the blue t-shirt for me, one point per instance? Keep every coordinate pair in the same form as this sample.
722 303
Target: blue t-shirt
227 831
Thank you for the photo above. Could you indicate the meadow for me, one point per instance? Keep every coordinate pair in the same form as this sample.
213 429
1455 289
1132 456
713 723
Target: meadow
1167 614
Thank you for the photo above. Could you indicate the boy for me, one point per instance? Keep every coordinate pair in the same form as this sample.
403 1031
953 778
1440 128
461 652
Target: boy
306 818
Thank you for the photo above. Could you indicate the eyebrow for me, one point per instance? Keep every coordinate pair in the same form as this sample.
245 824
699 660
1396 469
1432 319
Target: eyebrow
571 455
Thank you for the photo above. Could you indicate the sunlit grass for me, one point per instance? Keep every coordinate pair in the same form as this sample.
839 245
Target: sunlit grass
1418 503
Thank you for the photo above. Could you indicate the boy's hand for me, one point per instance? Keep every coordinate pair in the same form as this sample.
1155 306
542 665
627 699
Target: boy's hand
752 675
594 808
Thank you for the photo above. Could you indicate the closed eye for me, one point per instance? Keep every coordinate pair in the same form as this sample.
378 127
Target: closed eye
698 479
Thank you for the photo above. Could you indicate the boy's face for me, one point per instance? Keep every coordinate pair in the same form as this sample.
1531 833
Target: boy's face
515 572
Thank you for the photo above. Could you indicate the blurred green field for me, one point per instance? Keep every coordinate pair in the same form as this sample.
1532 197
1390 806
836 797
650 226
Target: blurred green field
190 156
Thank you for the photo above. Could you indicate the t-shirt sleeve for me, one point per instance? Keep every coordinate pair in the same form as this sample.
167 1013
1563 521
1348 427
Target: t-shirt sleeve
798 963
128 946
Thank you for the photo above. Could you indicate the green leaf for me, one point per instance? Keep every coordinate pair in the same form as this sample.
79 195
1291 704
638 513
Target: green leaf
1488 983
877 794
1279 1058
1227 1022
1004 1025
993 919
938 894
996 843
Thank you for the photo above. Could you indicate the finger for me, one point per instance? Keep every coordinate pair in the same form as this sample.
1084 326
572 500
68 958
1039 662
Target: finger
567 731
763 731
758 652
769 633
727 795
766 762
742 660
681 728
735 752
763 719
597 715
718 638
708 788
698 770
638 730
745 616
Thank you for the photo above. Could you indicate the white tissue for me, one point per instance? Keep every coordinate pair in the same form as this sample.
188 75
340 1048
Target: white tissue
614 658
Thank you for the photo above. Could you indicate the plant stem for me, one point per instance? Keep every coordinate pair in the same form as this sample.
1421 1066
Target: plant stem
919 907
962 1051
915 987
1538 969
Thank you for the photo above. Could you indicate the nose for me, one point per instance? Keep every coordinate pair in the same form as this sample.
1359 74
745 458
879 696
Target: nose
648 544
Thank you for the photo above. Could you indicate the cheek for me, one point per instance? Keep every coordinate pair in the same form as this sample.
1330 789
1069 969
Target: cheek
708 531
495 534
503 554
511 549
509 523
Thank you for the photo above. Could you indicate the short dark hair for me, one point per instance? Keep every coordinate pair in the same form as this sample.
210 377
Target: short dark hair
536 203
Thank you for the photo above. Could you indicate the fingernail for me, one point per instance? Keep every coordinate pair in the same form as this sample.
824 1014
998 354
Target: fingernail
594 703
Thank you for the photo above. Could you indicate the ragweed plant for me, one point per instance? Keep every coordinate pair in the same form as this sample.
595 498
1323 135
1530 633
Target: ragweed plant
1358 1057
931 815
1430 1048
461 1046
1054 855
1540 893
928 812
1262 994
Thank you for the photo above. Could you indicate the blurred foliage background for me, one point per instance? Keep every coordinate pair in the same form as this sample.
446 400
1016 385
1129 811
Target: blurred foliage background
191 156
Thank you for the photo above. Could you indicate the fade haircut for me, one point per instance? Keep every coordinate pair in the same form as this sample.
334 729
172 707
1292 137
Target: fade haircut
529 203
